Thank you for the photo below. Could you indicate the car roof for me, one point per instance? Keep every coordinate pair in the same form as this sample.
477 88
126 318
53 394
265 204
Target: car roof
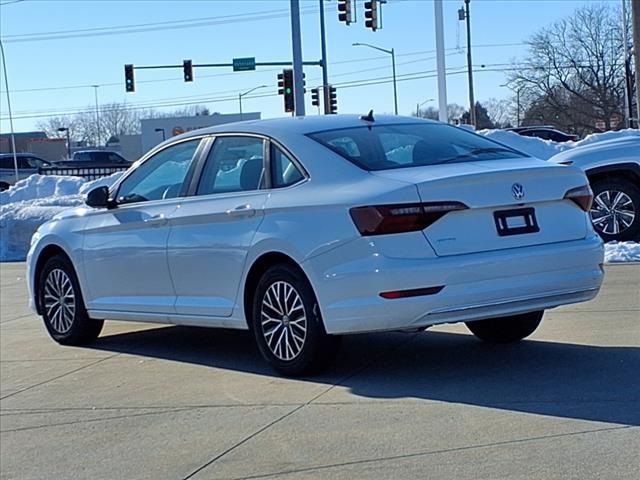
20 155
94 151
301 125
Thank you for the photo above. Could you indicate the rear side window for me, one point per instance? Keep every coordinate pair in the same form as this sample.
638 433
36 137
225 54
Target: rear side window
283 171
382 147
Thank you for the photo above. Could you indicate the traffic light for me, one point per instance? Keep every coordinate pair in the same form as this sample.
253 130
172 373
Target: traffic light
129 83
285 87
333 100
187 66
315 97
371 14
345 13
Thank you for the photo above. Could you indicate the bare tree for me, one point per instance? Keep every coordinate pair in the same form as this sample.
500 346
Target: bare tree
500 112
454 112
575 69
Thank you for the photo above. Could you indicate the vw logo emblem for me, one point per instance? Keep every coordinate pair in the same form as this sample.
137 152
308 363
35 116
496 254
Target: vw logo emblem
518 191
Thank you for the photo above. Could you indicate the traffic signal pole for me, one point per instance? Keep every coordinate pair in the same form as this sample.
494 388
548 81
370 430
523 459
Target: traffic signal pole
296 44
323 46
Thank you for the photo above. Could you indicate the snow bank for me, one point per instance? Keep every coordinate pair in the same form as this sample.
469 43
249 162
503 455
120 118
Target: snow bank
546 149
35 200
621 252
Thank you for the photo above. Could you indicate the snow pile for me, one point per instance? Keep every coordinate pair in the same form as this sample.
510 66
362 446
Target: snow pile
35 200
545 149
621 252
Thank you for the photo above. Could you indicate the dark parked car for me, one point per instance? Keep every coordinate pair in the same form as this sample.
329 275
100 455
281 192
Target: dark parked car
95 158
28 164
546 133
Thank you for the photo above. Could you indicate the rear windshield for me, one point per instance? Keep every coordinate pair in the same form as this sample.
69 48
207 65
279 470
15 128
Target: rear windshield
385 147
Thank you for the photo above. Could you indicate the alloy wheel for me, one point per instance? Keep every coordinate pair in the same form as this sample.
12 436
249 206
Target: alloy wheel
612 212
59 300
284 320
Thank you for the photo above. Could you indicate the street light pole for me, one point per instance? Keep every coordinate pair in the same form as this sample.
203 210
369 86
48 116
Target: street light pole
13 137
393 66
418 105
240 95
517 92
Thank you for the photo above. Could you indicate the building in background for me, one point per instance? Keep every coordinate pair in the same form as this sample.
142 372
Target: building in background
52 149
155 130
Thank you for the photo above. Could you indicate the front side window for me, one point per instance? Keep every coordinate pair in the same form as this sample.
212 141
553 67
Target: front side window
161 176
235 164
382 147
283 171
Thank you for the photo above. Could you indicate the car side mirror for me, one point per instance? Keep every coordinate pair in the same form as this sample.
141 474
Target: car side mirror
98 197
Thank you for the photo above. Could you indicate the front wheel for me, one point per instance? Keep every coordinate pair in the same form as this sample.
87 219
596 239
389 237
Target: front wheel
506 329
615 212
287 325
62 306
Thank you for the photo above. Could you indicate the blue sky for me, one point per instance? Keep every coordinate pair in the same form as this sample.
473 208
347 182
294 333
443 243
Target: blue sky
250 28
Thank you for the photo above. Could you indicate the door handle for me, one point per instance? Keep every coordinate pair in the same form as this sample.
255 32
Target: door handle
156 220
242 211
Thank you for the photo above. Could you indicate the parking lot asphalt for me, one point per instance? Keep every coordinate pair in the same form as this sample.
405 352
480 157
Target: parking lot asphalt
164 402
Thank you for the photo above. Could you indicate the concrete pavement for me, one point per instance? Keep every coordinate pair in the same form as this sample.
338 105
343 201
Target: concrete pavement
164 402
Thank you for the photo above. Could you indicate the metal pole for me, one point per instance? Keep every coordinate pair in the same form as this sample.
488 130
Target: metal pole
95 91
68 144
325 73
442 80
240 104
296 45
395 84
518 106
472 103
6 88
625 49
635 15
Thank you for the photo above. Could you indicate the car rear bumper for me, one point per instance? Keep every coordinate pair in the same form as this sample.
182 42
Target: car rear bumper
348 282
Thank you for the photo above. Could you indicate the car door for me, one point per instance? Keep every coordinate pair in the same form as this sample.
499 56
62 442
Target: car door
125 247
212 231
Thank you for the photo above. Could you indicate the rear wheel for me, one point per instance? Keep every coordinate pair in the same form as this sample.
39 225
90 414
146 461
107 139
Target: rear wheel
62 306
506 329
615 213
287 325
4 186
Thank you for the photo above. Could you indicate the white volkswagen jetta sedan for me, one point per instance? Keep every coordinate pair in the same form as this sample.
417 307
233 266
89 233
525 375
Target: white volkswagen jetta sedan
304 229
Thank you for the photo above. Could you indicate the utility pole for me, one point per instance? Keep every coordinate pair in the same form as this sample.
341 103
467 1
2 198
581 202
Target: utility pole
95 91
464 15
6 89
635 14
296 44
325 74
442 79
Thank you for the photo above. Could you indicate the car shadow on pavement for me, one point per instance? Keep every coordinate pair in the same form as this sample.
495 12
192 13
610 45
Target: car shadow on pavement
558 379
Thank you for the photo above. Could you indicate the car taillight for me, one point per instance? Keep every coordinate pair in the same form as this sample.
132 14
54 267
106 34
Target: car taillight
408 217
582 196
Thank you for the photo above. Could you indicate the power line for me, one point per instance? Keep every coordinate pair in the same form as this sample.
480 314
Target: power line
152 27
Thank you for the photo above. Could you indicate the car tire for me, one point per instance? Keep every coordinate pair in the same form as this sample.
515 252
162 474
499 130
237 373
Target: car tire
287 324
606 218
506 329
4 186
62 305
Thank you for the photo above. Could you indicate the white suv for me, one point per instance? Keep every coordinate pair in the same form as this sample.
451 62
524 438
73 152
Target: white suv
613 169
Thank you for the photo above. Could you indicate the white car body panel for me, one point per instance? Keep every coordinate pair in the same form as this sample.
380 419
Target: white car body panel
602 154
186 260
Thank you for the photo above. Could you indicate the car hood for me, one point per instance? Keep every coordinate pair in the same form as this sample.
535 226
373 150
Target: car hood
618 148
